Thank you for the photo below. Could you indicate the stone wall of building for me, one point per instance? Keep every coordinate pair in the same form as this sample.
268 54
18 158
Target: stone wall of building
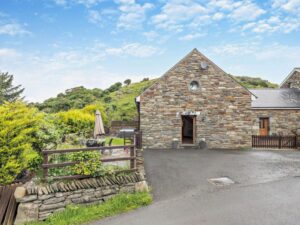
293 81
282 122
222 106
37 202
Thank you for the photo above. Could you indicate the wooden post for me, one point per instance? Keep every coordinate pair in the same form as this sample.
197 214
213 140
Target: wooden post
132 154
132 161
45 170
279 142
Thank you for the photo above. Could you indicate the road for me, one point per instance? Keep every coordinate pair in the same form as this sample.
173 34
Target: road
266 188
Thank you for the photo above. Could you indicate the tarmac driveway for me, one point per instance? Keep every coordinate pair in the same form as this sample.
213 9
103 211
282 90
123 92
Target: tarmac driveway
266 188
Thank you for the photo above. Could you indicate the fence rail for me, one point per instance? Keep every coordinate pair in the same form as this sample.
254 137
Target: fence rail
46 165
137 143
277 142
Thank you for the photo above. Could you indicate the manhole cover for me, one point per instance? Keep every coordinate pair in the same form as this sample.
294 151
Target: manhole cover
220 181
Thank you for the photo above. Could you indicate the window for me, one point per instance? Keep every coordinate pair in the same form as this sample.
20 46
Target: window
194 85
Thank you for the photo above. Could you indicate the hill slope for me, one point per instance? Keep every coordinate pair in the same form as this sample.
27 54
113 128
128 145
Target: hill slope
120 105
254 82
117 100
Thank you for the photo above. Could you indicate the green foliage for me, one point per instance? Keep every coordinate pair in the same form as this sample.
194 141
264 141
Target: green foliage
114 87
75 121
79 121
254 82
118 101
75 98
19 133
48 134
127 81
122 105
89 163
78 214
8 92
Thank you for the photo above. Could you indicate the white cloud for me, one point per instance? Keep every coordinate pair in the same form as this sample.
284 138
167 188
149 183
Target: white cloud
291 5
224 4
273 24
94 16
235 49
246 11
132 14
86 3
218 16
13 29
151 35
190 37
44 75
8 53
133 49
175 13
265 52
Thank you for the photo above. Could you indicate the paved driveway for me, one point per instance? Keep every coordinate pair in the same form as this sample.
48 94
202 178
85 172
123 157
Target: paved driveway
266 188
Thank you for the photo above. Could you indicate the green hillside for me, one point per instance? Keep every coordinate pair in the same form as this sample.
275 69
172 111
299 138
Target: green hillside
254 82
118 100
120 105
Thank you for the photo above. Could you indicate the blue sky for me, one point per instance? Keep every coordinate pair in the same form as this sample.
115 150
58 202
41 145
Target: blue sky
53 45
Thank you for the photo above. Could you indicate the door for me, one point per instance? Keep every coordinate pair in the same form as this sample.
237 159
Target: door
188 131
264 126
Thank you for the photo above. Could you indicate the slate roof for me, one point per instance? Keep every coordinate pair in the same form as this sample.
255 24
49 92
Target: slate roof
276 98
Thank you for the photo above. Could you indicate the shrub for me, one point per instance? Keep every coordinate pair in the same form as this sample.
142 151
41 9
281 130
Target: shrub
19 128
79 121
75 121
89 163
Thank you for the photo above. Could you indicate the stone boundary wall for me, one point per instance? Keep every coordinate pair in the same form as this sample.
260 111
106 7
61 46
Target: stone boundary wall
37 202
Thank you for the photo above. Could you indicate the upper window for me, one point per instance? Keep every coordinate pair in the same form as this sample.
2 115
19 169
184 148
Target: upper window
194 85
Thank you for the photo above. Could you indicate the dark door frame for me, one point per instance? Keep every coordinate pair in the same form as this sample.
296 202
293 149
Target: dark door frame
193 117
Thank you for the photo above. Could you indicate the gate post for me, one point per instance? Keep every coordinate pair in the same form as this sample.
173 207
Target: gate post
279 142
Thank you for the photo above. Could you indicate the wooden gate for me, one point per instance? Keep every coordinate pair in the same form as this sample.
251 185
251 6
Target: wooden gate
279 142
8 204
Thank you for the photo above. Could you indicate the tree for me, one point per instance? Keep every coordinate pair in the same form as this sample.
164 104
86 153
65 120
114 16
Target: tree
74 98
127 81
114 87
8 92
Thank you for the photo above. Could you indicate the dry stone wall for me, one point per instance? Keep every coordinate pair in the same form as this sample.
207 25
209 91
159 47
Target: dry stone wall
222 106
37 202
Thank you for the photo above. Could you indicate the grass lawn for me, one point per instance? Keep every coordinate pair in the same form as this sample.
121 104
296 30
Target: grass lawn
116 141
79 214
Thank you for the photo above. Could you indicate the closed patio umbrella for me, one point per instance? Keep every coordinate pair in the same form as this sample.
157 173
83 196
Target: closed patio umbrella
99 128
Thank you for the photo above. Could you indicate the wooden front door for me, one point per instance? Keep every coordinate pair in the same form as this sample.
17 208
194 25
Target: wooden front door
264 126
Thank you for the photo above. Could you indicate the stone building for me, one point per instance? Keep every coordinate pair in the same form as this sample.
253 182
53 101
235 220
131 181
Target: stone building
292 80
197 102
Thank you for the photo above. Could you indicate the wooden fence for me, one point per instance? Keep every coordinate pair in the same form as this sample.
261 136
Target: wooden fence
137 143
276 142
8 204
